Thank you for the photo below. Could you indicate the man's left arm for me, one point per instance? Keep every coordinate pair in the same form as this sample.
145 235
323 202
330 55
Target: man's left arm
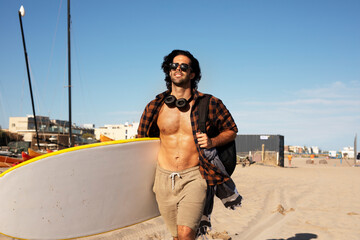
223 121
220 140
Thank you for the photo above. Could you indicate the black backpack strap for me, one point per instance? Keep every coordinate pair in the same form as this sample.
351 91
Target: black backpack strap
203 111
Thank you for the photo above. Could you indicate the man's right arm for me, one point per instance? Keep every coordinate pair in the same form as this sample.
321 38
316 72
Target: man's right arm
144 124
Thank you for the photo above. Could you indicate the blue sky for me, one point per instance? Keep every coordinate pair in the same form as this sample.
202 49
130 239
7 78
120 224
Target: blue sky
286 67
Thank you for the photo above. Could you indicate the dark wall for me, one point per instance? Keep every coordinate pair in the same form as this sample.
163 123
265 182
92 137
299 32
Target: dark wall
246 143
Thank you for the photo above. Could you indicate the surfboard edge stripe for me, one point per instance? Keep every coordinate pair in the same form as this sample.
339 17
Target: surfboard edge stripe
75 149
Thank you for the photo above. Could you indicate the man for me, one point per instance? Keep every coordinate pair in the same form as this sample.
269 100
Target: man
184 172
289 158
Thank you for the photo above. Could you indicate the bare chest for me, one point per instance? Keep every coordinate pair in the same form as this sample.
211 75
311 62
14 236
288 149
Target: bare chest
173 121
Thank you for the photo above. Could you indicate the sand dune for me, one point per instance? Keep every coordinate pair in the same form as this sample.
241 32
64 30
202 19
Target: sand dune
305 201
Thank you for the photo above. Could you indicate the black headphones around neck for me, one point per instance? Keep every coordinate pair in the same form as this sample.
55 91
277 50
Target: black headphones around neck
181 103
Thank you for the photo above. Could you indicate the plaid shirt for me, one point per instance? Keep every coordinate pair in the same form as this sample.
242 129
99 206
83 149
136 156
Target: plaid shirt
218 117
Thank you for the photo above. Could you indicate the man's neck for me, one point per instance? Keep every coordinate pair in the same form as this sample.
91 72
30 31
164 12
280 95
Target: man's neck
180 92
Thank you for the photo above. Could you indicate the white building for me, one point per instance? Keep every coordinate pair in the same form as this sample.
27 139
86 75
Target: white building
348 152
296 149
332 154
26 125
87 125
48 130
117 132
315 150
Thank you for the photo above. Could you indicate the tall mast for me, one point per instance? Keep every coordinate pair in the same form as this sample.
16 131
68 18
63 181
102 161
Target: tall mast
69 72
21 14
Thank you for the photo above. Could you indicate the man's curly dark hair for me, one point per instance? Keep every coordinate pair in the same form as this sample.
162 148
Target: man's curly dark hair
195 67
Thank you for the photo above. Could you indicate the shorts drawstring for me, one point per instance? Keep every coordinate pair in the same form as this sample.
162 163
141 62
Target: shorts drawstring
172 176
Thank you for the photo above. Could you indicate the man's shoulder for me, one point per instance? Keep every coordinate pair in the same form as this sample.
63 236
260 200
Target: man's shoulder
212 98
162 95
202 94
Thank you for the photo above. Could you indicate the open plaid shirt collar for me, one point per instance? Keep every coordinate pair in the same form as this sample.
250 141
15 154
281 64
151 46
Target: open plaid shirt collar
148 128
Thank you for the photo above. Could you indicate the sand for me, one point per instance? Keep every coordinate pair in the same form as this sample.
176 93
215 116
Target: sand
304 201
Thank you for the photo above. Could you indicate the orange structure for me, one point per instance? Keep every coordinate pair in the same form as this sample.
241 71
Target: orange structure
104 138
25 156
33 153
9 160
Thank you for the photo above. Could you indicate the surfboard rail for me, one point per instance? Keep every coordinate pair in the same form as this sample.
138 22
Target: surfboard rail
74 149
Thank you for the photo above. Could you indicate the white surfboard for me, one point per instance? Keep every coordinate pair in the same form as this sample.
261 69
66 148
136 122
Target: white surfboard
80 191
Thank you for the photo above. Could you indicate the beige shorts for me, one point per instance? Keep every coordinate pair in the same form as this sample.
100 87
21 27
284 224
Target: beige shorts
180 197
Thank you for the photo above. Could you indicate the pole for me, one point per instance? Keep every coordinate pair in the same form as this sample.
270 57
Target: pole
28 73
69 73
355 149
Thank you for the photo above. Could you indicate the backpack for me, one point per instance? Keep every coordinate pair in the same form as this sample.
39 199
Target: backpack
227 153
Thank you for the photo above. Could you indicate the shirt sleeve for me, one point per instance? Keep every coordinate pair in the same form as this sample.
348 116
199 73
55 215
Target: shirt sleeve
220 116
144 123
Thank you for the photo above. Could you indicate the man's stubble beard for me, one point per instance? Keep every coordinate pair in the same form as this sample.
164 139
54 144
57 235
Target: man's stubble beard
184 83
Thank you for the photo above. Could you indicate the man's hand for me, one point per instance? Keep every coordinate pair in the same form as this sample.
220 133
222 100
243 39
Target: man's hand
220 140
204 141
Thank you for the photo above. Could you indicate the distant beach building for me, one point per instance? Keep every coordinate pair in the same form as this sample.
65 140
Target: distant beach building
49 130
332 154
286 148
26 125
88 125
300 149
315 150
118 131
347 152
296 149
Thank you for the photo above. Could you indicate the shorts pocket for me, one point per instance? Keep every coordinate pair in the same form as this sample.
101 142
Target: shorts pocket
155 182
202 182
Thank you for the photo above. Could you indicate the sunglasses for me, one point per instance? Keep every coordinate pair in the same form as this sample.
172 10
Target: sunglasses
183 67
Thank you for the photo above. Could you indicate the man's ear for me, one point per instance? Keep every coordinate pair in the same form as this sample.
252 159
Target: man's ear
192 75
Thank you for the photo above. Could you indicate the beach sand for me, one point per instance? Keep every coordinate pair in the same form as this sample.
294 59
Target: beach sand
304 201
